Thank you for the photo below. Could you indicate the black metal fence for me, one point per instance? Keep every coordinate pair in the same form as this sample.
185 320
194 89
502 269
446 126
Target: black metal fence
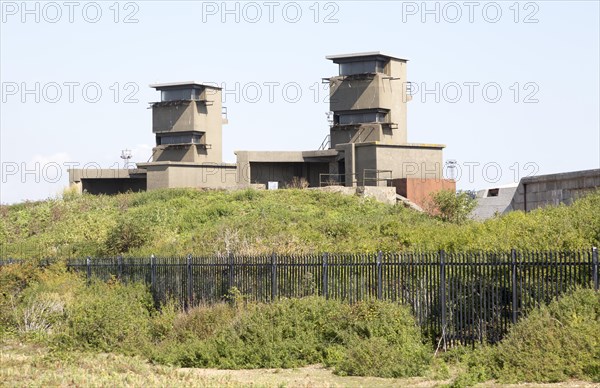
458 297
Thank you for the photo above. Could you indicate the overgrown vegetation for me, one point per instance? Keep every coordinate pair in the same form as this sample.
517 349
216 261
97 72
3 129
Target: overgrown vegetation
59 311
365 339
452 207
558 342
555 343
179 222
368 339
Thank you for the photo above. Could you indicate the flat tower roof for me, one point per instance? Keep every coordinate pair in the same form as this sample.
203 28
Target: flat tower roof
354 56
177 85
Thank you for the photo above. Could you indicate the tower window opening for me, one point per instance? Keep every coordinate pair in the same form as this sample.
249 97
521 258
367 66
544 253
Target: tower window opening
181 94
363 67
179 139
359 118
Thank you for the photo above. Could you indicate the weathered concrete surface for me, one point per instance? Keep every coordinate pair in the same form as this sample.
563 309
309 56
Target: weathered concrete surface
382 194
554 189
408 203
493 201
162 175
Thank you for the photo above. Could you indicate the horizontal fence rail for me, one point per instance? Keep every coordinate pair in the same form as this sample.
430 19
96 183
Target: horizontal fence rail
456 297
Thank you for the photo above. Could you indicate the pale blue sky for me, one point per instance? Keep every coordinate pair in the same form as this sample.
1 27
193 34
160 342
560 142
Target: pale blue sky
555 58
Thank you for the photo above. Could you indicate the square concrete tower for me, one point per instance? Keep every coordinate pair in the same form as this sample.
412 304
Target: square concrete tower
188 123
368 99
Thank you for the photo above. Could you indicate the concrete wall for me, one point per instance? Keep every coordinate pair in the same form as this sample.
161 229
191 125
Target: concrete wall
351 93
186 116
394 89
381 194
175 117
365 158
489 205
411 160
76 175
419 190
378 91
356 134
211 176
554 189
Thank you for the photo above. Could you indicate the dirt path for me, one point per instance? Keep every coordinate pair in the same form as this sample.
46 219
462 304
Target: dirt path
318 376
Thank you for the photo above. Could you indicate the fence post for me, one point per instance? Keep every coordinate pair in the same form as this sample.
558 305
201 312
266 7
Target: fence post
273 277
443 294
190 290
325 276
379 276
88 269
152 276
119 267
595 267
515 302
230 271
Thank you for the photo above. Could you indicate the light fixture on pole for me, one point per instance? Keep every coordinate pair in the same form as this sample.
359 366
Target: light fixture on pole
451 166
126 155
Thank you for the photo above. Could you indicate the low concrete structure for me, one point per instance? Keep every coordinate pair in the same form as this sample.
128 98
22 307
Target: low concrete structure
108 181
536 192
382 194
553 189
493 201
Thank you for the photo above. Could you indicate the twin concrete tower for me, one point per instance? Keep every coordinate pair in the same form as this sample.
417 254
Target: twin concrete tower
368 99
367 143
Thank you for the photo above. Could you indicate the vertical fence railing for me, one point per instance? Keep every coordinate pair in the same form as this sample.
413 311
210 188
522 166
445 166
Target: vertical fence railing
455 297
273 277
325 276
595 268
442 288
515 300
379 276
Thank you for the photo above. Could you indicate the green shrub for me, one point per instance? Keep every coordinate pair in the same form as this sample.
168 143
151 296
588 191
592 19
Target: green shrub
555 343
33 298
42 305
108 317
203 322
279 335
450 206
368 338
162 322
126 235
380 339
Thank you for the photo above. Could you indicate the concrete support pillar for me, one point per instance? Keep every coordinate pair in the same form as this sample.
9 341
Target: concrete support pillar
243 169
350 165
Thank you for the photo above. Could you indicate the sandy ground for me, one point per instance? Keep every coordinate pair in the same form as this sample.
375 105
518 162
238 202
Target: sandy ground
27 364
